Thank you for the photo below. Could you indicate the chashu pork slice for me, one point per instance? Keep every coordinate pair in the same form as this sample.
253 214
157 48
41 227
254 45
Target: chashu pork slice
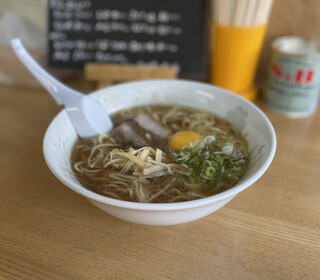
151 126
125 133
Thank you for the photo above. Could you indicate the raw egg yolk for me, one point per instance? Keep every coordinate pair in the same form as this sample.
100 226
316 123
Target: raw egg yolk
183 138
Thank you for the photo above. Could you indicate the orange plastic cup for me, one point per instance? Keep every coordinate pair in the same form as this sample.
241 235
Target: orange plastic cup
235 54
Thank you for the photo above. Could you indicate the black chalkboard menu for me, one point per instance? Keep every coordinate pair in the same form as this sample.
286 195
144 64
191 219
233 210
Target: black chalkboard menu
147 32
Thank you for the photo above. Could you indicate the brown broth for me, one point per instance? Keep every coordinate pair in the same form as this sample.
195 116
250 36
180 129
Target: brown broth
91 170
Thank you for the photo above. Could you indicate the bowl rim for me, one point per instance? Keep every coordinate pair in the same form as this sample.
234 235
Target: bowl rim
174 205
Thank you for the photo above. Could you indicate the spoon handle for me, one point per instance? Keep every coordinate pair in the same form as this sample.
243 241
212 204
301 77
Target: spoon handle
87 116
53 86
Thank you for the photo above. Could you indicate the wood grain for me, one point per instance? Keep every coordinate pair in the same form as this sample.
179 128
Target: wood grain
270 231
127 72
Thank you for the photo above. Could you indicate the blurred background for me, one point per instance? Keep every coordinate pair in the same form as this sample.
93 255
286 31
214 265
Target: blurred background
289 17
18 17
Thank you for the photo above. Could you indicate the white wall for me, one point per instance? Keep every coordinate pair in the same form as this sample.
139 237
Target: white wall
34 11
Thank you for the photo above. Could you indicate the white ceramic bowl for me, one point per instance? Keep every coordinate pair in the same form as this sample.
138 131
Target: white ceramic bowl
60 137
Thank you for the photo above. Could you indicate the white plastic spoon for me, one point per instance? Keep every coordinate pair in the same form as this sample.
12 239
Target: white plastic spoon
87 116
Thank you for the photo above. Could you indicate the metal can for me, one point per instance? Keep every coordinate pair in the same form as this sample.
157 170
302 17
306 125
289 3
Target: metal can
294 77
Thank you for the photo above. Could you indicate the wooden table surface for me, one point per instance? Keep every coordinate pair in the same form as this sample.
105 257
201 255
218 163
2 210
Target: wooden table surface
269 231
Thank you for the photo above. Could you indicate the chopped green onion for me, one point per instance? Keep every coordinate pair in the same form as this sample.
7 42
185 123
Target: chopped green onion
209 165
195 148
210 172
